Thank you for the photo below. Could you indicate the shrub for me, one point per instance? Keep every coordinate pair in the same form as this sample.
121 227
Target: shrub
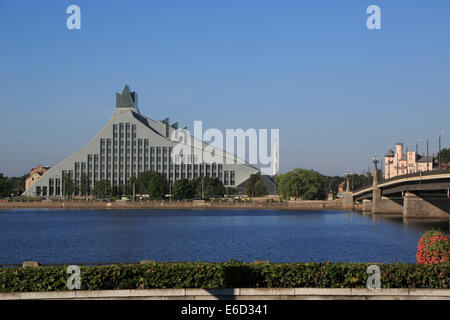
231 274
433 248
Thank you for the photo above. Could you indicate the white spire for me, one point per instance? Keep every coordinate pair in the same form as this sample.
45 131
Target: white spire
275 158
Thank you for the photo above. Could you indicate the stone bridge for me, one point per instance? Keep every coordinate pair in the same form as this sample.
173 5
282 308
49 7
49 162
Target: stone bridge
418 195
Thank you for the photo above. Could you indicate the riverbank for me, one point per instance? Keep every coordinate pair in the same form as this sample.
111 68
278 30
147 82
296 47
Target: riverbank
181 204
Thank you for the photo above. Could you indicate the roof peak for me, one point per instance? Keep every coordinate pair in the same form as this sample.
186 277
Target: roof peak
127 99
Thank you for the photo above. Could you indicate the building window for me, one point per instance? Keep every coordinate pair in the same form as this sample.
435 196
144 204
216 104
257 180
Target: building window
225 177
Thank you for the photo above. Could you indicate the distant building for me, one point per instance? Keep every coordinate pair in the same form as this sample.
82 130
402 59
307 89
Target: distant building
34 175
400 162
131 143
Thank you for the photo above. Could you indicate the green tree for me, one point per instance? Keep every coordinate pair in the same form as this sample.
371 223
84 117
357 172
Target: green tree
119 190
102 189
17 184
208 187
143 181
12 186
363 180
331 183
214 188
158 186
183 189
68 186
259 189
255 187
444 155
152 183
5 186
84 185
76 188
301 184
230 191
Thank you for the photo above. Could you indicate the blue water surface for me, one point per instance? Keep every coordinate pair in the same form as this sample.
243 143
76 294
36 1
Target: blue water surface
82 236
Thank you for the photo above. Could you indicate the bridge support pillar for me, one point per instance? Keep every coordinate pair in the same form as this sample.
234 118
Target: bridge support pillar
427 206
382 204
348 195
366 205
385 205
348 200
376 198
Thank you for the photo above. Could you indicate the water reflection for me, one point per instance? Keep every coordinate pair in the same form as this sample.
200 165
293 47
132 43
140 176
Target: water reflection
408 223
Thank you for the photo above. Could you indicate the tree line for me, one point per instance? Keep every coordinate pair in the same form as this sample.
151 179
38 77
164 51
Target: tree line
12 186
151 183
298 184
156 186
307 184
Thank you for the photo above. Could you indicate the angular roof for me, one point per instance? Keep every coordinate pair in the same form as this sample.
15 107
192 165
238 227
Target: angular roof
425 159
127 99
390 153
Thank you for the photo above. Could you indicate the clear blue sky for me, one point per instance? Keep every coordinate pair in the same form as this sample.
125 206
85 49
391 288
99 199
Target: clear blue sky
337 91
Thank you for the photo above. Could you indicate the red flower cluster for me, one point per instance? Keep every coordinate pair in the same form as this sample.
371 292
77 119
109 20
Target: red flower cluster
433 248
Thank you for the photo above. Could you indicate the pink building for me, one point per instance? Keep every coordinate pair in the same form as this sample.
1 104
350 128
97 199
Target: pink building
404 161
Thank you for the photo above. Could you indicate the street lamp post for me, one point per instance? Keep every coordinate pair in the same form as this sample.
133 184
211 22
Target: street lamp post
347 174
170 192
202 187
429 139
375 160
54 186
417 153
439 154
407 169
381 169
389 167
397 162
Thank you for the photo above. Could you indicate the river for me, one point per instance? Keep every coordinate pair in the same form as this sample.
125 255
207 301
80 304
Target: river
84 236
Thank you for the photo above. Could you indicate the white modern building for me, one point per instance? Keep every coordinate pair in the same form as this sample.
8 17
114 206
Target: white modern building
131 143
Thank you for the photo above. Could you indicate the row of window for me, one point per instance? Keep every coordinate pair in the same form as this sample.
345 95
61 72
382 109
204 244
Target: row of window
54 186
175 171
124 156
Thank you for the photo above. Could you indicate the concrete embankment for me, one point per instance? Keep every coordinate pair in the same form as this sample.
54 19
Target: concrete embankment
237 294
196 204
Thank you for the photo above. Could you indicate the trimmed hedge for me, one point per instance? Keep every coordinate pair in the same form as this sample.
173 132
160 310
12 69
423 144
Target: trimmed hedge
225 275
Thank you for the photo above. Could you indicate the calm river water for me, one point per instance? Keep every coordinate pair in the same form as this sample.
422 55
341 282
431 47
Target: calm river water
77 236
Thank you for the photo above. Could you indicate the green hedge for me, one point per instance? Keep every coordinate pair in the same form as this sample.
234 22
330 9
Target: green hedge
225 275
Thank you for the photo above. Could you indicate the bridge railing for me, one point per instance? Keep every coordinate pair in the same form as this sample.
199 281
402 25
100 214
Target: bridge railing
408 175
